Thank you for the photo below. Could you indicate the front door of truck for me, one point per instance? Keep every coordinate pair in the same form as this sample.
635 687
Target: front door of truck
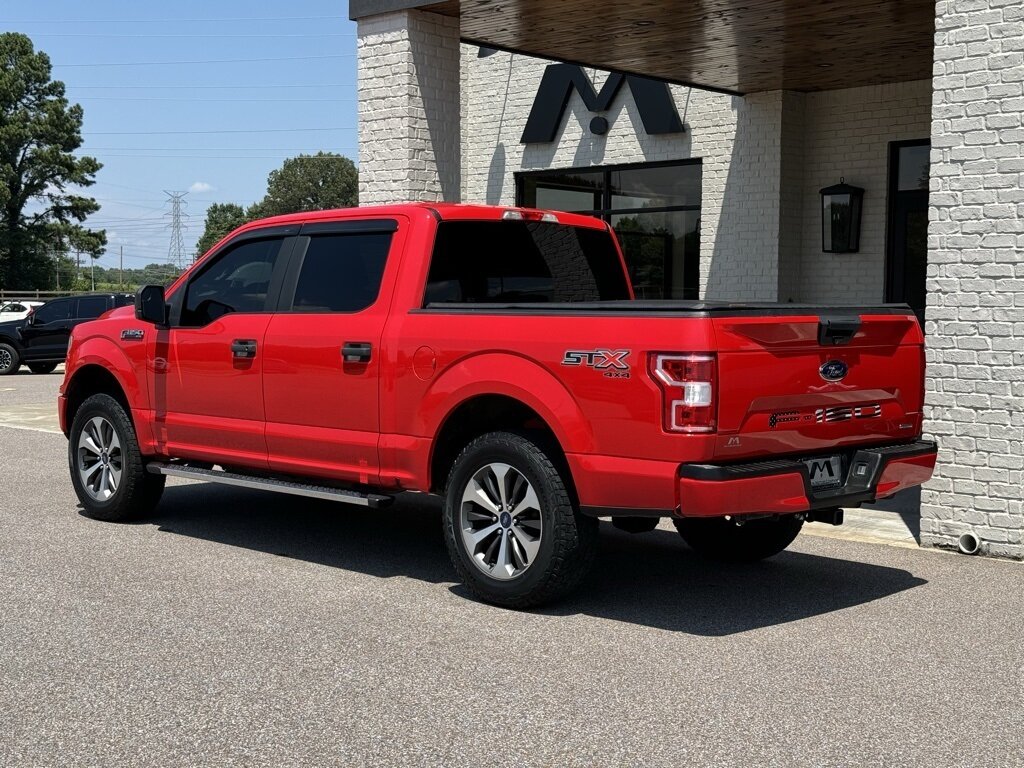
208 366
323 357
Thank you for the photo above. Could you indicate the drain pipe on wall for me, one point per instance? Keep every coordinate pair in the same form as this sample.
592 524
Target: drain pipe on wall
969 544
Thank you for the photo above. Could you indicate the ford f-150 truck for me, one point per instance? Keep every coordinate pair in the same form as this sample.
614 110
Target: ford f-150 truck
496 357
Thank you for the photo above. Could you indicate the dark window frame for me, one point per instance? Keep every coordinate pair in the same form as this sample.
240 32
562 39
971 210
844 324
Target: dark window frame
427 305
70 303
606 212
107 305
893 193
355 228
286 240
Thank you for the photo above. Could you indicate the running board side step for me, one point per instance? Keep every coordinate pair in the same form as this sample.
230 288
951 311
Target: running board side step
371 500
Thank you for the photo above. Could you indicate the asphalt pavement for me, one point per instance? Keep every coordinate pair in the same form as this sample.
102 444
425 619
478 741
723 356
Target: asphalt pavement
241 628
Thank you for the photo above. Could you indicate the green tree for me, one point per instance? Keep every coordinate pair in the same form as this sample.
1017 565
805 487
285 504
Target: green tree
309 183
221 218
39 133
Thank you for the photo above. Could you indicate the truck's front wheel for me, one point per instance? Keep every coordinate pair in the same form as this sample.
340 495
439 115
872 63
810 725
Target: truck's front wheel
737 541
106 465
510 525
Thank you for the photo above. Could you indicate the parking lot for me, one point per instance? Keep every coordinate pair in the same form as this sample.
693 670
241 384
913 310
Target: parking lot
239 628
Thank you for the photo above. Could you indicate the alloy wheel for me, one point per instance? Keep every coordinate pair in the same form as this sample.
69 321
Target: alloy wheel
500 521
100 460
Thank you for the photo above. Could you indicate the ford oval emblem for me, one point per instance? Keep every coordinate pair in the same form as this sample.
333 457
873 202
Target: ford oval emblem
834 370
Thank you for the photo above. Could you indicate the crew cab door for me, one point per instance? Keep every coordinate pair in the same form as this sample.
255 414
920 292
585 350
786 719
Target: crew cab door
45 333
208 365
322 363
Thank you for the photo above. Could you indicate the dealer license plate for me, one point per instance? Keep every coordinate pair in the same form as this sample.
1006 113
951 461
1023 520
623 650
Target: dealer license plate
825 472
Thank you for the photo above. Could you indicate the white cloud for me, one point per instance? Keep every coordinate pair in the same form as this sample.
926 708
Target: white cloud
201 186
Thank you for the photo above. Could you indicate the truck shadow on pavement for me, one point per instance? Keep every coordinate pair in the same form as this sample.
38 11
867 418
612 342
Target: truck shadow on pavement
650 579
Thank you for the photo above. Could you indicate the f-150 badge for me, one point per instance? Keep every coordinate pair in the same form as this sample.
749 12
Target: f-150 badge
612 363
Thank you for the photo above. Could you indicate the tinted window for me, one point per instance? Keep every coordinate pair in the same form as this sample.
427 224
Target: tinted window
55 310
236 281
341 273
12 308
90 307
654 209
519 261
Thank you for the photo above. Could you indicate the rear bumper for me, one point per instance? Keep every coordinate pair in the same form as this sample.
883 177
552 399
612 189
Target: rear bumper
783 486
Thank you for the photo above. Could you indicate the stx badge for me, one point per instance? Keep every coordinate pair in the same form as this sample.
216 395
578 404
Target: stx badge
612 363
132 334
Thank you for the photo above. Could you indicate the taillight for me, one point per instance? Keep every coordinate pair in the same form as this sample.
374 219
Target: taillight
687 385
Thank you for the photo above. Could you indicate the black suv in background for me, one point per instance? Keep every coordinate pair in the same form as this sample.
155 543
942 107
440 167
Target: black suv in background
40 341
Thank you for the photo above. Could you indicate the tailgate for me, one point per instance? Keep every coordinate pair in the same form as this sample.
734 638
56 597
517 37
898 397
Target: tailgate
807 383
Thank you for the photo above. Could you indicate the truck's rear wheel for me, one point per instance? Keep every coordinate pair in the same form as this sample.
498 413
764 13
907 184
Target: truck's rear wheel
746 542
107 469
42 367
510 525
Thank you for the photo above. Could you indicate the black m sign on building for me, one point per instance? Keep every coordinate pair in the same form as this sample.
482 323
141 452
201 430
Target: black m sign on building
652 97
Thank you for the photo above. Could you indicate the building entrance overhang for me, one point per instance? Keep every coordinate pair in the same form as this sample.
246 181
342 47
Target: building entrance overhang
736 46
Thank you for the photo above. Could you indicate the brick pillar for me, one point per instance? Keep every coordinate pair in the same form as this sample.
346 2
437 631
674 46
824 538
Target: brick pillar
408 72
975 314
755 249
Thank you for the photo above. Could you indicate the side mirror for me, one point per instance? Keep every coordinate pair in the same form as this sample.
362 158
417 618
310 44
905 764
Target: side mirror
150 305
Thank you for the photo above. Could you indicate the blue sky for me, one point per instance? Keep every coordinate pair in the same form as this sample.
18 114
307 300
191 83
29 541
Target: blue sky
217 128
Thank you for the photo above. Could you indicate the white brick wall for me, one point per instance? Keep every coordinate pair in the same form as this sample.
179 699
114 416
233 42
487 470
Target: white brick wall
409 108
847 134
975 313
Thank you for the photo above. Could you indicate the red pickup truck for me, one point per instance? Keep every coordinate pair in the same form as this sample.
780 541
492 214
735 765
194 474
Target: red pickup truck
496 357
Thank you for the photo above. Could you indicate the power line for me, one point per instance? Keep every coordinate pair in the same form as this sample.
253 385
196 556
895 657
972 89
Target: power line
145 35
205 61
217 157
307 150
194 87
207 101
234 19
198 133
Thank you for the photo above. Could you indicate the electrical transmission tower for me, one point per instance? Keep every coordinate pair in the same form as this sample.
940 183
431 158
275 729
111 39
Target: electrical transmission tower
176 251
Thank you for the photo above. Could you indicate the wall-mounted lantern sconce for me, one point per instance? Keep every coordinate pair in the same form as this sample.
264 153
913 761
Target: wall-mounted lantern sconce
840 218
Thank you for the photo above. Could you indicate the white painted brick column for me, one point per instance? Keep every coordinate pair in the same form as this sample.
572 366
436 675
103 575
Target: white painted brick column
975 313
409 107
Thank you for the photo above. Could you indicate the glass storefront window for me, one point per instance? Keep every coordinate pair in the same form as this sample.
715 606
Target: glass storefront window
653 207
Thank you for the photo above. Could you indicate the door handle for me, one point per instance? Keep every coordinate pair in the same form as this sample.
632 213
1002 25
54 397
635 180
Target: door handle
243 348
356 352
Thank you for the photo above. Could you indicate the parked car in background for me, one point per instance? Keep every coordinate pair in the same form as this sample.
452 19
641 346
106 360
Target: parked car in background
40 340
17 310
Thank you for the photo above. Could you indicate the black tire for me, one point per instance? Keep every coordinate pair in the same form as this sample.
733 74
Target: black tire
10 359
568 539
719 539
42 368
137 492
